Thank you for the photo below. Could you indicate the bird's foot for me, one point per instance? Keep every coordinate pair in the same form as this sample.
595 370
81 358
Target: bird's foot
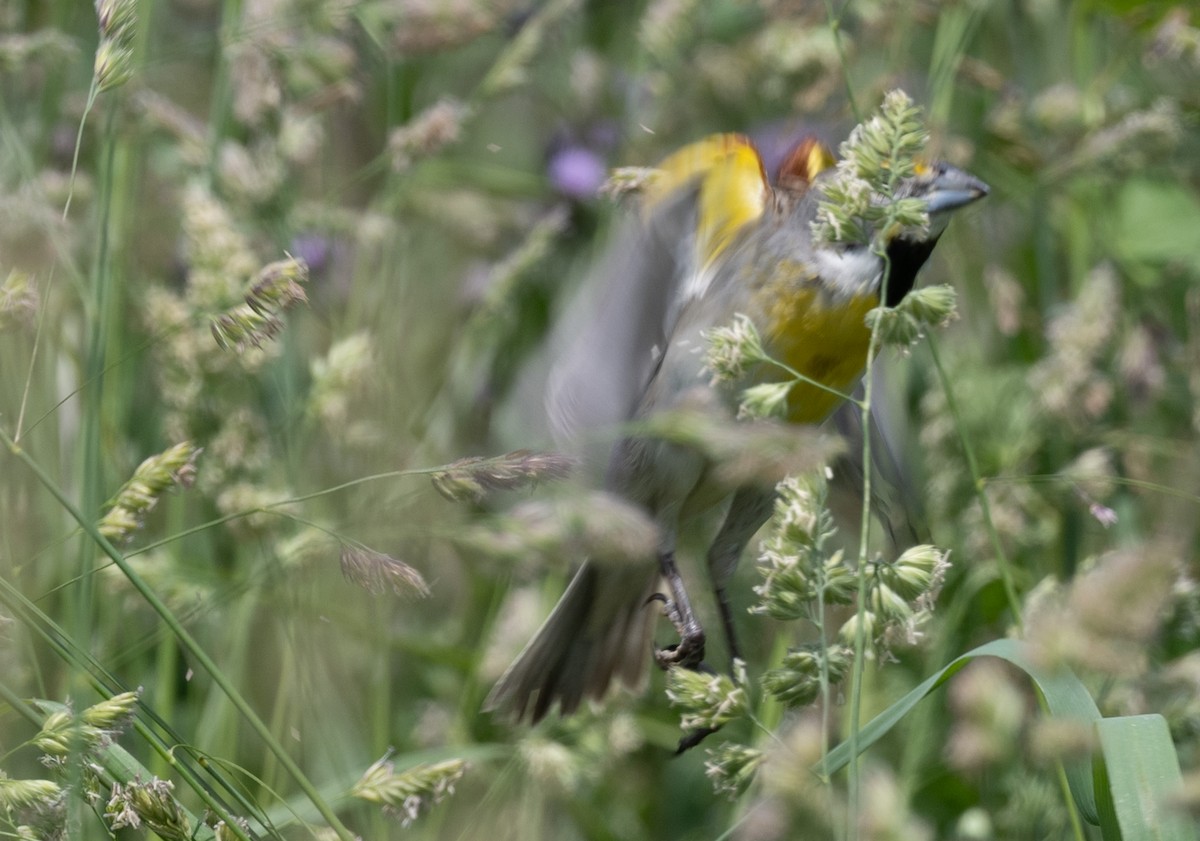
689 651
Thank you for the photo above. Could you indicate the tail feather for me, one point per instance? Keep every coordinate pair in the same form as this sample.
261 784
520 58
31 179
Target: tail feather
599 631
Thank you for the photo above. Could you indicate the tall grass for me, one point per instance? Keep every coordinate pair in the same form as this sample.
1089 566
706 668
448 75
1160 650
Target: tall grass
311 627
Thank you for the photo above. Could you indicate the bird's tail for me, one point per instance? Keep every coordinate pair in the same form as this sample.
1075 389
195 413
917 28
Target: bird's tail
599 630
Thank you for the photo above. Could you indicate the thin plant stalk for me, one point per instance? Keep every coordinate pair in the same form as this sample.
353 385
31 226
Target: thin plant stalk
81 608
860 632
835 26
92 481
218 117
977 485
826 689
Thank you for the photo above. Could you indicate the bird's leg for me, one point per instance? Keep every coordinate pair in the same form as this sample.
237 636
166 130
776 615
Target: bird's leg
689 652
726 610
750 508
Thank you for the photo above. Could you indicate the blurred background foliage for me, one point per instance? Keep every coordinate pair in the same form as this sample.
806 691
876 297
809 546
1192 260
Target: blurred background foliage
436 163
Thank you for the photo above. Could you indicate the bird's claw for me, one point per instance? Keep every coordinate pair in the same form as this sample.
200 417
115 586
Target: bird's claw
689 651
691 739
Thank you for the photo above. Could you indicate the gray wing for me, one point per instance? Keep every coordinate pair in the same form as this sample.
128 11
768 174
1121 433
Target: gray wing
606 346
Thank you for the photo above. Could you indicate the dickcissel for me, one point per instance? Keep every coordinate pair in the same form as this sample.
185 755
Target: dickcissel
715 238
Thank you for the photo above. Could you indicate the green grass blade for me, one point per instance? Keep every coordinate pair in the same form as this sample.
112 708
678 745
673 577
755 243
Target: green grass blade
1062 693
107 685
1136 771
185 638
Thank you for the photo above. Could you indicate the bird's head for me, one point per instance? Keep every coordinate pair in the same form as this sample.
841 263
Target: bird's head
944 188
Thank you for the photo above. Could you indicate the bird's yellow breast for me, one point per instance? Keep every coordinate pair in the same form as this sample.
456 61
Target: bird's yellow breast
825 338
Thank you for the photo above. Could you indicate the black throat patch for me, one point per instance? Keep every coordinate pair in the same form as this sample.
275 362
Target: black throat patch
906 258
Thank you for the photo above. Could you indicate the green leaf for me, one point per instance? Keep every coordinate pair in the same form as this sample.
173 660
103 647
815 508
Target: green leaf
1135 773
1061 692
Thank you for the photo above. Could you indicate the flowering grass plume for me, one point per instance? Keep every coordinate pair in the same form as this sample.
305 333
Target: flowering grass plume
707 701
552 763
408 794
798 566
861 202
732 350
511 68
114 52
175 467
339 380
427 133
63 731
803 573
1105 620
113 714
795 566
19 299
378 573
765 400
222 831
277 287
990 712
27 794
1073 379
473 478
797 682
900 598
919 311
732 767
33 809
151 804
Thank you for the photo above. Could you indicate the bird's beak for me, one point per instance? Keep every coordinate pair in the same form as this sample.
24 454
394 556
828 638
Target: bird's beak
953 188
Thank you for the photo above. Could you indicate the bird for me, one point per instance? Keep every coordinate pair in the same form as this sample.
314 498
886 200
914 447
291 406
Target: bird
715 238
